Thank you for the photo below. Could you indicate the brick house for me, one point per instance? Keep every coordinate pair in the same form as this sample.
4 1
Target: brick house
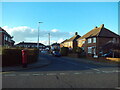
30 45
72 42
94 40
6 39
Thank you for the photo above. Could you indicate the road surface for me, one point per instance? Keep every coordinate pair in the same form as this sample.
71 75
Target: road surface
63 73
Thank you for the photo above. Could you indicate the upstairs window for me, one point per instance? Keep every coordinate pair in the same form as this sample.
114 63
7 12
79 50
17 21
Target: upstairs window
89 40
114 40
83 42
94 40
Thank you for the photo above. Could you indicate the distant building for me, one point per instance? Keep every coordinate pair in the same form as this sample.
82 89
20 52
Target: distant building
94 40
6 39
72 42
30 45
55 46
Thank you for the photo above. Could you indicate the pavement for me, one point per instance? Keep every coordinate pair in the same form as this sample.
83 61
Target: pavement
40 63
85 60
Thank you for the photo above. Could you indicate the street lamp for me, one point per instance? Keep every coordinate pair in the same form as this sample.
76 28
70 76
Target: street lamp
49 38
38 34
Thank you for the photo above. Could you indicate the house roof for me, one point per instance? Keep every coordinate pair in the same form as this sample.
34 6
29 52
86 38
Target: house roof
75 37
55 44
2 30
99 32
29 43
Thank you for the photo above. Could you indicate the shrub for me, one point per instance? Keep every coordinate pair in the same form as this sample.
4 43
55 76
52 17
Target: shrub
12 57
64 51
77 50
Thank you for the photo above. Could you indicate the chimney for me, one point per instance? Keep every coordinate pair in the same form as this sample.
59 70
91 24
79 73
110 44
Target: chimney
96 27
76 33
102 26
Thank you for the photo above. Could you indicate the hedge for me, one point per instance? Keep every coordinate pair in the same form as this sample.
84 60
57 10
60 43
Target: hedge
64 51
12 57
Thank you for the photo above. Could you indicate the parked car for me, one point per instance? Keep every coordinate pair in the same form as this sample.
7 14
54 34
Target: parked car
44 51
107 54
56 53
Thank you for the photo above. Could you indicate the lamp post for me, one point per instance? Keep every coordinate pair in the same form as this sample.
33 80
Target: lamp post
49 40
38 34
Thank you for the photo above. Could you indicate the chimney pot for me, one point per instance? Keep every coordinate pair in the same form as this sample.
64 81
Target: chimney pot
76 33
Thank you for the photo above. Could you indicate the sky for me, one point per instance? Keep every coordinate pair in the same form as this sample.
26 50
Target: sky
61 19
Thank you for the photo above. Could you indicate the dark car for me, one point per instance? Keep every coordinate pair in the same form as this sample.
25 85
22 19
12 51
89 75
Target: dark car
56 53
108 54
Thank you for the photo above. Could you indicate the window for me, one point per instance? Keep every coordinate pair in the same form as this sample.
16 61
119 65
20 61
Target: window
83 42
94 50
4 37
83 48
89 49
114 40
94 40
89 40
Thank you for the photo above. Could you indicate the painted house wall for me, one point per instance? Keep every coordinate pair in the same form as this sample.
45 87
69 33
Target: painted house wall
68 44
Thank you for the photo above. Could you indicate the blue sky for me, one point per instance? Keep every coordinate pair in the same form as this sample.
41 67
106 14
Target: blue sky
61 19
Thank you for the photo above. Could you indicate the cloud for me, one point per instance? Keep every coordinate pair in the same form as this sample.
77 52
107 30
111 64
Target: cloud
54 30
60 40
25 33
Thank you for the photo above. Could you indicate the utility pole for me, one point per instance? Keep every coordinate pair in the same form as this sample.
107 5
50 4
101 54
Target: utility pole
49 40
38 34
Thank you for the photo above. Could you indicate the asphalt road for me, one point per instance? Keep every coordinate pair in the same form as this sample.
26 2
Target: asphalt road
63 73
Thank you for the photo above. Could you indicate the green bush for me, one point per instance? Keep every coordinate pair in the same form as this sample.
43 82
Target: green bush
11 57
64 51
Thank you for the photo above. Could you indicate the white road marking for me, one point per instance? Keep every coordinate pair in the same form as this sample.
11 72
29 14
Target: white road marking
51 74
24 74
62 73
77 73
35 74
10 75
95 69
117 87
98 72
111 71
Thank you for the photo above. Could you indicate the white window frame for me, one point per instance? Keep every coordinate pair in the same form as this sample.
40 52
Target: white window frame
89 40
94 40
